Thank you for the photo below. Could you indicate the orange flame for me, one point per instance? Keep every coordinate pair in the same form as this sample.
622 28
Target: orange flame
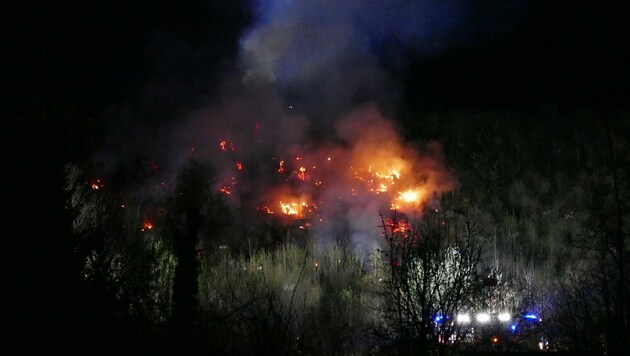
147 225
227 186
302 174
296 208
97 184
371 161
224 145
397 226
290 208
409 198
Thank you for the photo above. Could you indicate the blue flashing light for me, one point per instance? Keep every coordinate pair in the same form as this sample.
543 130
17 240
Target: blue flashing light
513 328
531 316
438 318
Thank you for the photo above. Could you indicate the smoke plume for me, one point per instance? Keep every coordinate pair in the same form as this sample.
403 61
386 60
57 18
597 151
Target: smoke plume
304 130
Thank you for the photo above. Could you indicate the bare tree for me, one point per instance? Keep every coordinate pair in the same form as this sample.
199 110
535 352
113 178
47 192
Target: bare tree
435 274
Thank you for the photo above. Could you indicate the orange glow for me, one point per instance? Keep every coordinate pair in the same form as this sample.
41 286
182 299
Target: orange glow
408 199
393 174
290 208
302 173
147 225
368 167
397 226
224 145
97 184
227 186
411 196
296 208
289 204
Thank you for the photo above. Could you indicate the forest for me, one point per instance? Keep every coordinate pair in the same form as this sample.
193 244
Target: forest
283 178
536 229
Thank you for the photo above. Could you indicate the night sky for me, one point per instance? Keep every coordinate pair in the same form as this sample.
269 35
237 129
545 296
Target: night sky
76 74
469 54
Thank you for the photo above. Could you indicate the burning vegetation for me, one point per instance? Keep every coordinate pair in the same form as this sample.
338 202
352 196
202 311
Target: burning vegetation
368 168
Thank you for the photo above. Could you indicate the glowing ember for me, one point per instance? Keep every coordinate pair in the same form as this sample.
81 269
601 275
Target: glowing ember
227 186
147 225
382 188
224 145
302 173
97 184
239 166
397 226
393 174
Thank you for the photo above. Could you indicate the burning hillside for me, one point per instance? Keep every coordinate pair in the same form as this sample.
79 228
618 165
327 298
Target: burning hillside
348 181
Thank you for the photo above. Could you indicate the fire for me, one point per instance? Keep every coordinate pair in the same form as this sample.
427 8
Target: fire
302 173
391 175
369 167
97 184
147 225
411 196
397 226
290 208
227 186
298 209
389 179
224 145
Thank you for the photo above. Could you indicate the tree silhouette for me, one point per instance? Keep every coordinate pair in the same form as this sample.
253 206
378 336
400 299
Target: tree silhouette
189 207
